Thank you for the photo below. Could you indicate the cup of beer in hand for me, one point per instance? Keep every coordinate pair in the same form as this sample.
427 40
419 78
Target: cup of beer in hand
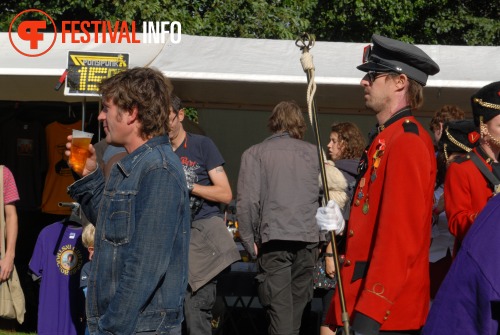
79 150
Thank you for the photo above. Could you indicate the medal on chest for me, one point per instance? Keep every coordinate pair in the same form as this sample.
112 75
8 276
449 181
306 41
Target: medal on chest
376 160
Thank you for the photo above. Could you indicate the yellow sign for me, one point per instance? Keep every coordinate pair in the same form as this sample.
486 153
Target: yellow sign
86 70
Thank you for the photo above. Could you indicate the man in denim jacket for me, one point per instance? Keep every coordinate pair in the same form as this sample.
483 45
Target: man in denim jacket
138 275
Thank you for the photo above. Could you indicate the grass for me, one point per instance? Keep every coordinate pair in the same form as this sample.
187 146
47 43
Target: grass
4 332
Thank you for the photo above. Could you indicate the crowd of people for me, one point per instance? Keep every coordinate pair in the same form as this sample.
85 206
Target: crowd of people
402 206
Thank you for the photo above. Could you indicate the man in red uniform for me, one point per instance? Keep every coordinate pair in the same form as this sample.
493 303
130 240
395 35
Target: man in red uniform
466 190
386 270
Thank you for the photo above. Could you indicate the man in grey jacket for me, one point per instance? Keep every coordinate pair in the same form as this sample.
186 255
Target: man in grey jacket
277 199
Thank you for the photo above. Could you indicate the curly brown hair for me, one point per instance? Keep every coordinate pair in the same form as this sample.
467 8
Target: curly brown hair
442 115
352 142
143 88
287 117
446 113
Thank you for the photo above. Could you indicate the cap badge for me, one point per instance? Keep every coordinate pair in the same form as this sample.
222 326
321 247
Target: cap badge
473 136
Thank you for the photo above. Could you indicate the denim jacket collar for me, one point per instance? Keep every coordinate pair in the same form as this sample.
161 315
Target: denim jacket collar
127 164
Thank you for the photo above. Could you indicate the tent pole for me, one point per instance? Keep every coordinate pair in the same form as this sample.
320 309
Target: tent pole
84 103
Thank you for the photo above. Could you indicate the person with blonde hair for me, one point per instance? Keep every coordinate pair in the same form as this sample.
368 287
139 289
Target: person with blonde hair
88 235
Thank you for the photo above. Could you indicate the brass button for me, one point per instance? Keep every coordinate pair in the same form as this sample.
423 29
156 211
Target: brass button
351 233
388 313
356 202
347 263
385 318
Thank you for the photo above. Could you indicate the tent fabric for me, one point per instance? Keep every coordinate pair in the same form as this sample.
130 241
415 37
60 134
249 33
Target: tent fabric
251 73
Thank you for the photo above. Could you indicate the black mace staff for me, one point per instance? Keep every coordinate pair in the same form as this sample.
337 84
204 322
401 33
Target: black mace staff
305 43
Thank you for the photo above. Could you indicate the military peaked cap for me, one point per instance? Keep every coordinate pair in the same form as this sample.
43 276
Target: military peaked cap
389 55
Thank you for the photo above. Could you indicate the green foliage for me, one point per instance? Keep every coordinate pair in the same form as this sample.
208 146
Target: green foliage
191 113
449 22
420 21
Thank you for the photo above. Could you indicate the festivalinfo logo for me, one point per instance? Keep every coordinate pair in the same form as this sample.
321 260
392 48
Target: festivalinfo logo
35 38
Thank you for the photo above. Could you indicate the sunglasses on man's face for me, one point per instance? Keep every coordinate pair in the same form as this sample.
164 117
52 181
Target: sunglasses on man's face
374 75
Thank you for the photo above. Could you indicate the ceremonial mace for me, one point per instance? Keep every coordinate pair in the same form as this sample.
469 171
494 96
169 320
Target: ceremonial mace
305 42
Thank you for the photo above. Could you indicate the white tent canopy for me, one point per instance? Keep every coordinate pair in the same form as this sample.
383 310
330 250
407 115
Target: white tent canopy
251 74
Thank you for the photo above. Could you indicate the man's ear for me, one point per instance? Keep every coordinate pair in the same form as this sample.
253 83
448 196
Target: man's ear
181 115
401 81
132 115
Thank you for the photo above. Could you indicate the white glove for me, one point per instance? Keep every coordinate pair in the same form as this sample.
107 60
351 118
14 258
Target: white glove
330 218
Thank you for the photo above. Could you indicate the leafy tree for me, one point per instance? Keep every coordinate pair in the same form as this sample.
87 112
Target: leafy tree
418 21
449 22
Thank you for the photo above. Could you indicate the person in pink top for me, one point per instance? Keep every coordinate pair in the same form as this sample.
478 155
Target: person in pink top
10 196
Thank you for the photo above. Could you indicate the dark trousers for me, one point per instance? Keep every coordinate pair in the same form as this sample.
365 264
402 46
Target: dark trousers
198 309
285 283
438 271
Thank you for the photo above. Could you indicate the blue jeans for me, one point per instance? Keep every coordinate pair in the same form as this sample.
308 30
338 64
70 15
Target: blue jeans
198 309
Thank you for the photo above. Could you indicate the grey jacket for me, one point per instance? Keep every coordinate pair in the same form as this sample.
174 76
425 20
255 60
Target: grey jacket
278 192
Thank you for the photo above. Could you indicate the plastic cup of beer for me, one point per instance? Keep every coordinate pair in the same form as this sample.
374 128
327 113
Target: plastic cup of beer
79 150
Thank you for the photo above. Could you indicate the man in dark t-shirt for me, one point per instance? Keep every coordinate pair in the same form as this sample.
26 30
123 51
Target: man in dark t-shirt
211 247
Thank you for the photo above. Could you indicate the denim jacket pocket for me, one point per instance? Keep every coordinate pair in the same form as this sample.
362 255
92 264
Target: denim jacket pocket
117 227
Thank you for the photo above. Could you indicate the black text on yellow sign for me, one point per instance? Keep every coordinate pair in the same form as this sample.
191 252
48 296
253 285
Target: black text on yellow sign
86 70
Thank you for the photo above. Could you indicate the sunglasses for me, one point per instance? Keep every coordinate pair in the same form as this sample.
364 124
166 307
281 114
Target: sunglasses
373 75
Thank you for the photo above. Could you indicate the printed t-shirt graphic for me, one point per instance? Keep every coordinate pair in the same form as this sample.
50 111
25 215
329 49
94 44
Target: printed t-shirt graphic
58 258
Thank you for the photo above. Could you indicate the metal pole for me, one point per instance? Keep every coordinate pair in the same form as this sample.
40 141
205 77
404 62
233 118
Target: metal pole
84 103
307 44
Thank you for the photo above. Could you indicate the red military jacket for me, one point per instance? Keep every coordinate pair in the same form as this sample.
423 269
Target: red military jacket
466 192
386 269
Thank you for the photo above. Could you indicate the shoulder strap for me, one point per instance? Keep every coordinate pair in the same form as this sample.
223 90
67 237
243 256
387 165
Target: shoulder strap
486 172
410 127
2 215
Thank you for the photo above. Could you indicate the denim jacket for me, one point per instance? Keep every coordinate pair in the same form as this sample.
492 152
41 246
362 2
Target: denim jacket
139 270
